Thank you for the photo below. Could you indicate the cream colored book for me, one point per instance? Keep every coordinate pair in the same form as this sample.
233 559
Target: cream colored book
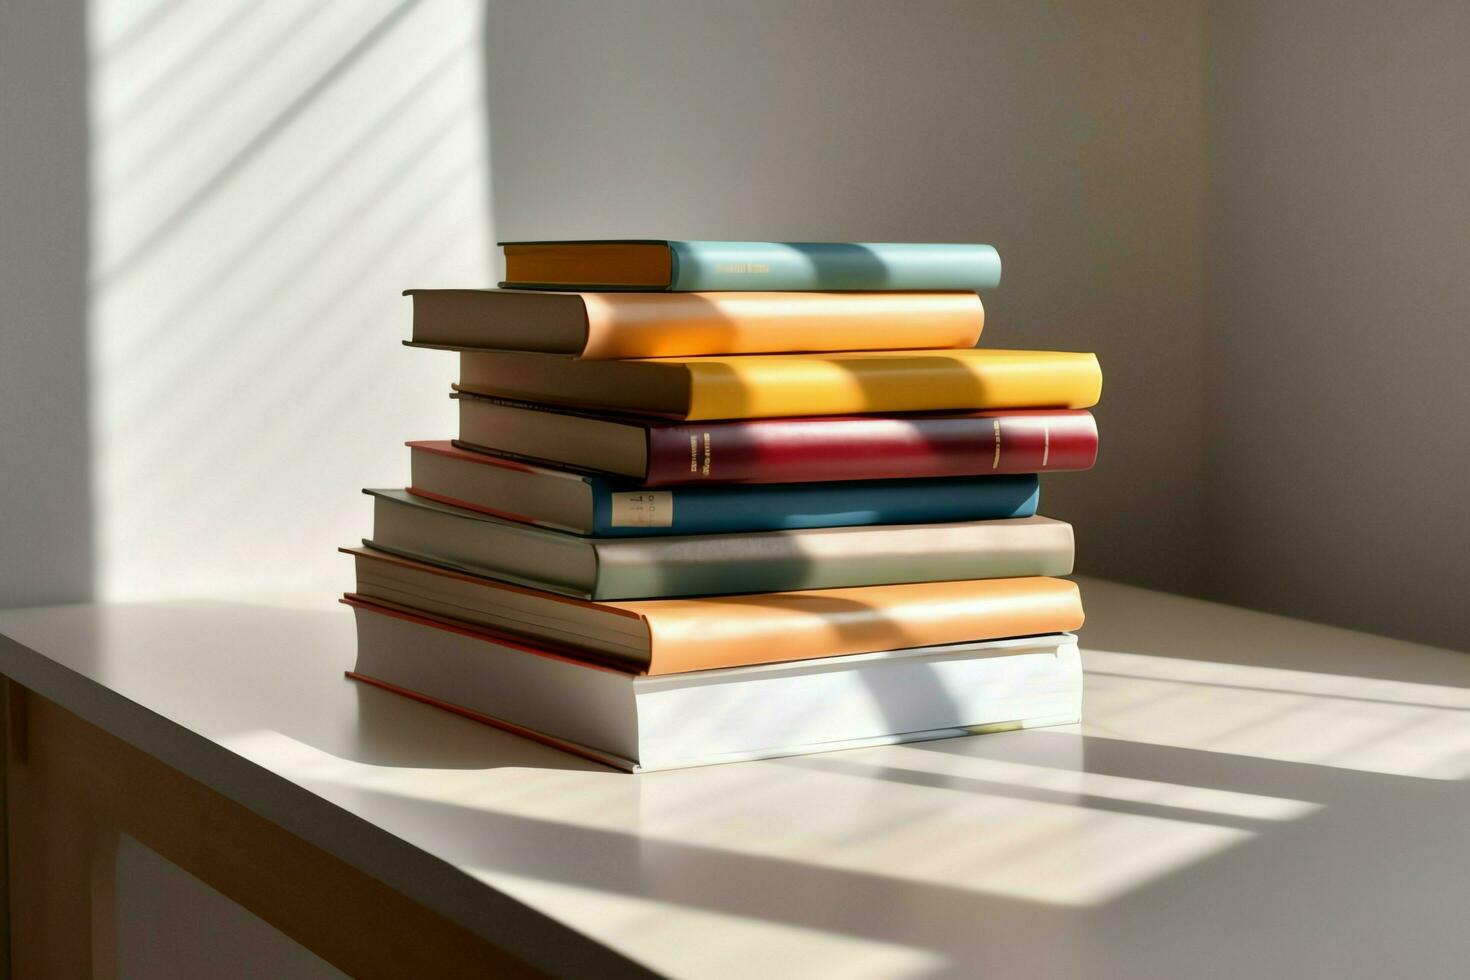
639 722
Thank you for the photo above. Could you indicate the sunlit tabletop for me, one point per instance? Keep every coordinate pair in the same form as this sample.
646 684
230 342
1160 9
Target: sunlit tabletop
1248 796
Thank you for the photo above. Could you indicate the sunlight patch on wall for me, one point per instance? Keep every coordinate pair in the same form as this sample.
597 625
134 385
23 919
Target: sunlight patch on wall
267 178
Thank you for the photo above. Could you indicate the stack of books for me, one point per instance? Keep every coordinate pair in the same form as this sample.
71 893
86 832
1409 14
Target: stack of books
714 501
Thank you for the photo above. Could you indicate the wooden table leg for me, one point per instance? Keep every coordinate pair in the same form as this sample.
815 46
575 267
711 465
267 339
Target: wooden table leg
60 870
73 788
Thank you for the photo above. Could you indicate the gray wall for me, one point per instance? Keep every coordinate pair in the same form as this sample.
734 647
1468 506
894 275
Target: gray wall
1255 212
1338 450
45 447
1069 136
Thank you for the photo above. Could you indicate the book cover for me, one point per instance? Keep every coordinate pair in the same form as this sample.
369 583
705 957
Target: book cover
656 453
639 722
771 386
715 564
613 325
609 507
670 636
707 266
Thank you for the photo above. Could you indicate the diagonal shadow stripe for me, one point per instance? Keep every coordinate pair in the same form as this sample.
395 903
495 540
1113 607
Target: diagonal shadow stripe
307 192
169 467
1036 794
145 25
415 167
252 149
200 53
204 105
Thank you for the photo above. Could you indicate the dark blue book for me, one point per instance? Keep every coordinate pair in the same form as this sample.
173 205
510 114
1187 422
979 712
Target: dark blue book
597 506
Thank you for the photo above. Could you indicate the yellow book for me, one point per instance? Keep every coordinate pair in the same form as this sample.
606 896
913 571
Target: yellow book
766 386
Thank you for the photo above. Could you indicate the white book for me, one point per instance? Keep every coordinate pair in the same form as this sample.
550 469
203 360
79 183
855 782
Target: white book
640 722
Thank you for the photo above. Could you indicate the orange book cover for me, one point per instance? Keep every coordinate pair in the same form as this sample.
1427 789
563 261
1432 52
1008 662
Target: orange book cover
738 630
729 631
611 325
629 325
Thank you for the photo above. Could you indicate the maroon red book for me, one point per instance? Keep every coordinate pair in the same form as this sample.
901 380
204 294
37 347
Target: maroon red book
790 450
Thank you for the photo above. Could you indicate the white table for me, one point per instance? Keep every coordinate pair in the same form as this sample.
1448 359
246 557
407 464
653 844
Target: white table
1249 796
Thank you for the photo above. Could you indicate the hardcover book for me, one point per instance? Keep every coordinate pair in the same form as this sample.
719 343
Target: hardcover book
603 507
772 386
654 452
698 266
714 564
637 722
626 325
663 636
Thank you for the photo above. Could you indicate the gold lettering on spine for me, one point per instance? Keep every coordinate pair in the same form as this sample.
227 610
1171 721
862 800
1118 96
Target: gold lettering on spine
1045 443
694 454
705 470
995 464
648 508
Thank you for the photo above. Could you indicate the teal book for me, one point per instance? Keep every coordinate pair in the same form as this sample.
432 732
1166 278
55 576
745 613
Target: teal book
603 507
679 266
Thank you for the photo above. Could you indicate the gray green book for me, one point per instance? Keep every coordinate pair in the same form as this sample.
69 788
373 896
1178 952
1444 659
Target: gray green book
715 564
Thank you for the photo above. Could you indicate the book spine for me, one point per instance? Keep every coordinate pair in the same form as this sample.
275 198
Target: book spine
721 266
721 564
786 507
819 450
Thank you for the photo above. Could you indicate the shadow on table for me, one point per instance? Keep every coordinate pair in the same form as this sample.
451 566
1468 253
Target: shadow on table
1367 874
395 731
1229 812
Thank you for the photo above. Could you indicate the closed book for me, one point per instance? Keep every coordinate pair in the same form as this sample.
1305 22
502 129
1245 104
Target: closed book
663 636
626 325
714 564
586 504
654 453
776 385
637 722
694 266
